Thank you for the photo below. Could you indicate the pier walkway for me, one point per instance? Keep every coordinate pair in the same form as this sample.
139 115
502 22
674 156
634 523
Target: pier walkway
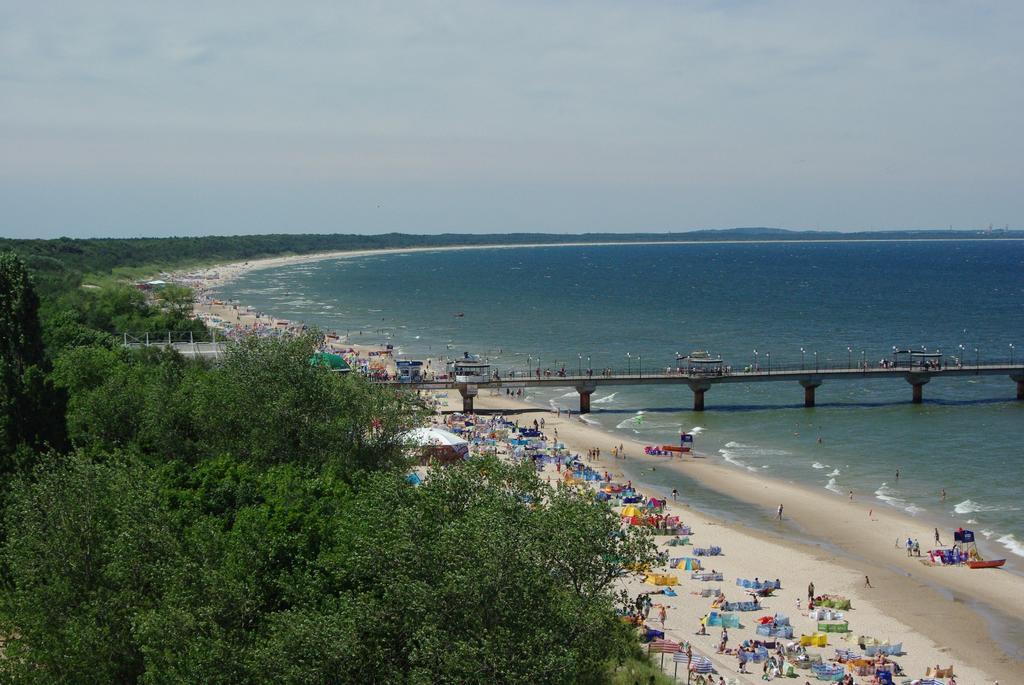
699 383
699 380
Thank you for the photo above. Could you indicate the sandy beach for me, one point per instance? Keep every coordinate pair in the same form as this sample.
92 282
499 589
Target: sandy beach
942 615
923 607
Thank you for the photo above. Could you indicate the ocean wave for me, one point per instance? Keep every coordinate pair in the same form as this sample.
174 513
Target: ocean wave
621 425
913 510
1011 543
987 533
833 472
886 494
831 485
819 465
730 457
606 399
592 422
571 393
736 445
969 506
696 430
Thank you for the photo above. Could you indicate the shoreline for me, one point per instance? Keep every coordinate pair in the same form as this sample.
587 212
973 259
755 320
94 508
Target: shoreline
234 269
928 602
931 615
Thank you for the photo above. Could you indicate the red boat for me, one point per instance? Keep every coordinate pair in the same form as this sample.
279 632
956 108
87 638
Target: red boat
994 563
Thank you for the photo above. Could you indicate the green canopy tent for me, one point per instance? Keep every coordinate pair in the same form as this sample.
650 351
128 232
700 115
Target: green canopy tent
334 362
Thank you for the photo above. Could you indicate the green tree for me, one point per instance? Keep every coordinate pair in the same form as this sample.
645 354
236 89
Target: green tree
21 337
88 546
461 580
267 403
30 410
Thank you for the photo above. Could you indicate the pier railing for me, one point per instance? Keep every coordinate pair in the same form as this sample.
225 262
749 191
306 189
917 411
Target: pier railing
752 370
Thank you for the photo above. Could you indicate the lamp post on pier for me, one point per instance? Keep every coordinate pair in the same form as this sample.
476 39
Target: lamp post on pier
579 364
801 359
849 357
815 361
1011 354
768 355
590 368
529 366
629 364
755 362
640 356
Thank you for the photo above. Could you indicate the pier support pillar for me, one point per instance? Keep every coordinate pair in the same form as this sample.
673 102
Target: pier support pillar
585 391
698 388
810 384
1020 385
468 392
917 382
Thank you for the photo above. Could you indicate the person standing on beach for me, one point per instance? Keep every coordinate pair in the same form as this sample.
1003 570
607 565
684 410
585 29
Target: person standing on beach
810 592
867 582
675 495
937 541
780 512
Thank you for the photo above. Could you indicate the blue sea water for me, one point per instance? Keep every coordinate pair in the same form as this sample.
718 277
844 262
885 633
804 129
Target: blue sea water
570 306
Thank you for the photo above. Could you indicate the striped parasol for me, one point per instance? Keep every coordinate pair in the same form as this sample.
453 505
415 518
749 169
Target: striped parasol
663 646
700 664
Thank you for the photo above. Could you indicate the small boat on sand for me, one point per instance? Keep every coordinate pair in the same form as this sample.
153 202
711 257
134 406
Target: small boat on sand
991 563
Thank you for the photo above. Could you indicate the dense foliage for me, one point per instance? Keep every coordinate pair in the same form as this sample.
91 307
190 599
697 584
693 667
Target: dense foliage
251 522
27 399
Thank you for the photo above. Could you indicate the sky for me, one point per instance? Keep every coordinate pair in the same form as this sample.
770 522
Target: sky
126 119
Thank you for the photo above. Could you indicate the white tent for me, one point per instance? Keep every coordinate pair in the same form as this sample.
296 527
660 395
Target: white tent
437 442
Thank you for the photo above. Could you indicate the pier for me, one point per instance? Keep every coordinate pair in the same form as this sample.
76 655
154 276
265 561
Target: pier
700 383
699 378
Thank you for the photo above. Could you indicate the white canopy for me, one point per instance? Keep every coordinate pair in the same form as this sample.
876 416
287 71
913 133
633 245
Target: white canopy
435 437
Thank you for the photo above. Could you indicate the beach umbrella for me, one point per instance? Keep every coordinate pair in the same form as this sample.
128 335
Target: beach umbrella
664 647
698 663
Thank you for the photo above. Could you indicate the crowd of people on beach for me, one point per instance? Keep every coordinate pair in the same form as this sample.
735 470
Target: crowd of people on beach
765 655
